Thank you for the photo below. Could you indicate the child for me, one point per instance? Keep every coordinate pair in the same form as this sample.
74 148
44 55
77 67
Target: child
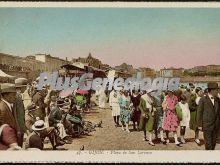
184 122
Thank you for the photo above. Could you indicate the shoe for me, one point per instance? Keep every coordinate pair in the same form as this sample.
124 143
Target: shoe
151 143
183 141
178 144
163 141
197 142
60 143
127 130
167 141
123 129
68 141
145 139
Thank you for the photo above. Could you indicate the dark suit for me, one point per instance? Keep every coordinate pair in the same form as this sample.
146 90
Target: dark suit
38 99
55 116
19 114
208 117
6 116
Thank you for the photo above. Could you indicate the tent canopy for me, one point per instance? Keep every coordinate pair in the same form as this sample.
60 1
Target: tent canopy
3 74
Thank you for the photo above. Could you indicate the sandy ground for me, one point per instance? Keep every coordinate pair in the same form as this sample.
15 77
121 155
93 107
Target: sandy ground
111 138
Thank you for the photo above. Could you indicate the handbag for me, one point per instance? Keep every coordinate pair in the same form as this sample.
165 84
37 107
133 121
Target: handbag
179 112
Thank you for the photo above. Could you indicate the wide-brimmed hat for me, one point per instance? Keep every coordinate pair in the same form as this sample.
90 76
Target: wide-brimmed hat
7 88
213 85
21 82
39 125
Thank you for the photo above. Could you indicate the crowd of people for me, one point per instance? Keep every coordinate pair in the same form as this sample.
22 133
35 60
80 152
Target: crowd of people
191 107
40 115
54 115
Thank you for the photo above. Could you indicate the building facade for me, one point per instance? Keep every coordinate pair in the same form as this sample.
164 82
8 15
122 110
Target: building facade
171 72
147 72
90 61
50 63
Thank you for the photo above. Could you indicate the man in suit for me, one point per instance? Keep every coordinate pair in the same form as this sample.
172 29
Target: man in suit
38 100
49 132
19 110
8 99
208 118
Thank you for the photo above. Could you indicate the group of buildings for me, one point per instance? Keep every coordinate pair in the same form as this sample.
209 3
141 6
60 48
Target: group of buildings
31 66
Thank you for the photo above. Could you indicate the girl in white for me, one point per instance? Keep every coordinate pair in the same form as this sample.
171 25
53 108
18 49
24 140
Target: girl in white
113 101
184 123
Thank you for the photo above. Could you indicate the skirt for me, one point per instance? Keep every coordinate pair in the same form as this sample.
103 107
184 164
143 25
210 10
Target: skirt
115 111
159 116
146 124
193 122
125 116
170 121
136 116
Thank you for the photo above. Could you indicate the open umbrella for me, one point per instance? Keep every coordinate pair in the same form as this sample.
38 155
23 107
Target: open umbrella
82 92
66 93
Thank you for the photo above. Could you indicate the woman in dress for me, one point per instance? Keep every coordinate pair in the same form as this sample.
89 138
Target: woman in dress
159 116
193 104
184 123
124 103
170 120
114 102
147 116
135 99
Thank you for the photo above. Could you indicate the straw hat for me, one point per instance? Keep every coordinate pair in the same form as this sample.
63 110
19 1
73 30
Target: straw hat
7 88
21 82
39 125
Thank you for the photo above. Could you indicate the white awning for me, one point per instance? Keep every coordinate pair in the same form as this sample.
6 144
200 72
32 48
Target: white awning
3 74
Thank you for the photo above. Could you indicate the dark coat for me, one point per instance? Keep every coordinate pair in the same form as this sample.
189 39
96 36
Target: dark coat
208 116
55 116
6 116
38 99
34 141
19 113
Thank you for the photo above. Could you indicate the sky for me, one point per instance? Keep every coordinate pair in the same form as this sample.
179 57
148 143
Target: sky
142 37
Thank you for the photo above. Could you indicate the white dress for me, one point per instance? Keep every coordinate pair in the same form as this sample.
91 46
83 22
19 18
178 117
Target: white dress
115 105
186 114
102 98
